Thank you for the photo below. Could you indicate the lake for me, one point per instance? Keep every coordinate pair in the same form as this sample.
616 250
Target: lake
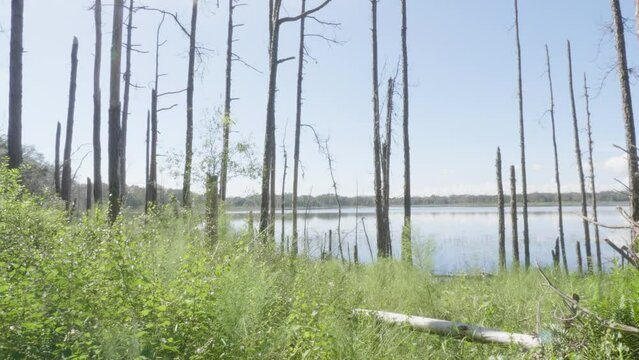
451 239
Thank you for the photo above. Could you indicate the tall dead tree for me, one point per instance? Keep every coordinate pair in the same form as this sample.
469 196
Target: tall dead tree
147 158
513 217
56 166
97 104
560 212
500 209
89 202
125 102
186 185
592 175
522 142
65 190
407 252
114 111
275 23
14 135
282 195
153 175
383 237
298 124
386 154
580 169
626 102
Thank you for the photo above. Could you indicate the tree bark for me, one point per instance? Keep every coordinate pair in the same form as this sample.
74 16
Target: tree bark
580 170
513 217
153 168
14 135
147 165
562 242
626 101
407 253
227 104
283 189
212 207
186 186
386 154
89 194
97 104
125 103
580 265
114 111
382 236
298 125
592 175
500 208
56 167
522 142
66 165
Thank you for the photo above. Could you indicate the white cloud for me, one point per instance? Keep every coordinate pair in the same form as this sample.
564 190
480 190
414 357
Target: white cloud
616 165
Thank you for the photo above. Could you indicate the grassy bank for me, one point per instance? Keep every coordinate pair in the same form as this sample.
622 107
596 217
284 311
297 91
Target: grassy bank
153 287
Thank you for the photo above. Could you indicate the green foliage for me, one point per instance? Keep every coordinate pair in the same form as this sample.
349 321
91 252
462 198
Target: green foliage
152 287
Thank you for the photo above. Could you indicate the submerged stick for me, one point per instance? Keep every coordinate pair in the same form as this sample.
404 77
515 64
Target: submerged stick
454 329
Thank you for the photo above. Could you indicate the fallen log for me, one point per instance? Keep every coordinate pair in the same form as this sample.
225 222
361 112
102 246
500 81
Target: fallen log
454 329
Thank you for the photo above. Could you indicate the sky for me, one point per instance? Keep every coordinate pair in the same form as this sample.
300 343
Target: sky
462 78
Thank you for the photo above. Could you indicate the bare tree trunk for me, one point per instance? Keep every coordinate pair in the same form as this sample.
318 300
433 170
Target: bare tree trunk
562 242
147 165
56 168
97 104
513 217
227 104
386 153
629 121
186 186
382 236
522 143
153 167
580 170
89 194
407 252
14 135
580 263
66 165
212 206
592 175
114 111
298 124
272 199
283 189
500 208
125 103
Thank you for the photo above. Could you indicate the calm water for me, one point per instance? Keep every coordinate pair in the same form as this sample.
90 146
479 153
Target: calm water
452 239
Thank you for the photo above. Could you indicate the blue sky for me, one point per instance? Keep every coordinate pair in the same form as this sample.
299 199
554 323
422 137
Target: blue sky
462 82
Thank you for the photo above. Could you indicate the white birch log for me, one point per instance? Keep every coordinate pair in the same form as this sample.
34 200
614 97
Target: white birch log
455 329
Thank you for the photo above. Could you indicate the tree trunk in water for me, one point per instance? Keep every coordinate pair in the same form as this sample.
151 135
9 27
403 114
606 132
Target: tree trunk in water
66 165
562 241
382 236
114 112
97 104
513 217
186 186
125 104
629 121
522 143
89 194
592 176
212 207
580 263
147 165
407 252
272 199
500 208
298 125
386 154
14 135
580 170
283 188
227 104
56 167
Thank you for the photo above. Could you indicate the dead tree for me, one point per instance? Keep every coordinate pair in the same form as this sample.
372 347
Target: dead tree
114 111
283 189
125 102
580 263
383 236
562 242
513 217
500 209
522 142
580 169
592 175
212 207
56 166
14 135
147 158
65 190
153 167
97 104
386 154
406 230
186 185
626 102
275 23
89 194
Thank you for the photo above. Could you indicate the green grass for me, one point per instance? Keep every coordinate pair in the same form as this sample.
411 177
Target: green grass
153 287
